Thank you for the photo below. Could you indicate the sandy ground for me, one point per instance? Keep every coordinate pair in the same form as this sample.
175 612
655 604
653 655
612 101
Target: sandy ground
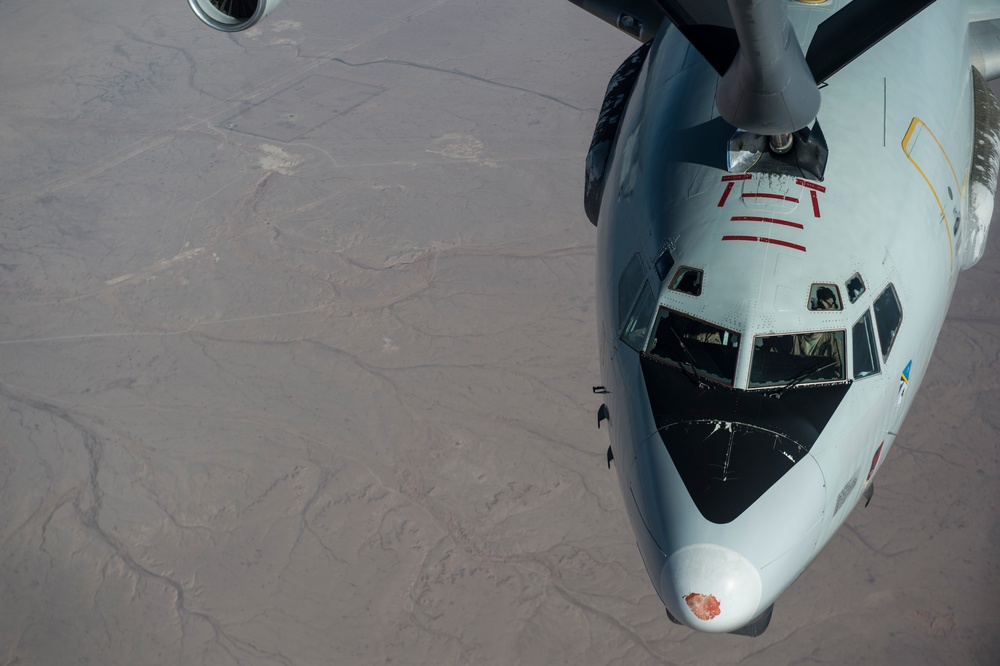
297 338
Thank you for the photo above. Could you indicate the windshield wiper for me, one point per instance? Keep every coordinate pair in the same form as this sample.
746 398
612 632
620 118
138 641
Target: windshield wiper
792 384
696 379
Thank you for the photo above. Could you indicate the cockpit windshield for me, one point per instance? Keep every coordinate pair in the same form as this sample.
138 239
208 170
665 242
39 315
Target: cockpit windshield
796 359
709 351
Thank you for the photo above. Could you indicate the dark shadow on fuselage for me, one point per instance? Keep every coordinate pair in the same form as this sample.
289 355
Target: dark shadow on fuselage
703 144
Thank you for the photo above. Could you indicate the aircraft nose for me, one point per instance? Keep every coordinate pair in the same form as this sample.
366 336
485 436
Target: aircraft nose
711 588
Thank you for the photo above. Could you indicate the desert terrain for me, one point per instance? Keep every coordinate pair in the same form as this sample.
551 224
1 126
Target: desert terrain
297 340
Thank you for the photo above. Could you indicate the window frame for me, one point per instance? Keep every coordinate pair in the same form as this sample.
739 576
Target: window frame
625 305
678 276
889 288
633 318
663 263
847 287
874 346
815 287
703 373
806 381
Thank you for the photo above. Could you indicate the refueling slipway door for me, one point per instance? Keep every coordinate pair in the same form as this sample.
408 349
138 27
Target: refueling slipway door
926 153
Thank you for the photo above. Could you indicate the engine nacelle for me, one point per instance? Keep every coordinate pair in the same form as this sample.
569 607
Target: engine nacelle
232 15
616 99
983 177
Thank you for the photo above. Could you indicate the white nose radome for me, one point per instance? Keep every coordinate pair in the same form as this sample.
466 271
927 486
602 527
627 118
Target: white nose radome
711 588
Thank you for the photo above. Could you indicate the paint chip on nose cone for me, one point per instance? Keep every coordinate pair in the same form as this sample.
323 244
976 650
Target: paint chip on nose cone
704 606
711 588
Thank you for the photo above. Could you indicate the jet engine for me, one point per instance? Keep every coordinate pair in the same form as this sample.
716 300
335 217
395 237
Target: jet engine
232 15
985 165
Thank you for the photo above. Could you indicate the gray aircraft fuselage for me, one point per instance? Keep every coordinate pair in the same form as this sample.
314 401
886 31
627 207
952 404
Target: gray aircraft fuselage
730 488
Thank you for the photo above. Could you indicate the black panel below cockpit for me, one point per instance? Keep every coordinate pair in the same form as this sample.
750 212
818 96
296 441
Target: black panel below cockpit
730 446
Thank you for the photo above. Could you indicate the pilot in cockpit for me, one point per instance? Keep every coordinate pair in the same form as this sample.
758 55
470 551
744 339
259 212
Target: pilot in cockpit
809 357
823 344
824 299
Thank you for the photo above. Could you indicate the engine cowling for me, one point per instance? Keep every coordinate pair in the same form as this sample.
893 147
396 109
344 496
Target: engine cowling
606 132
983 177
232 15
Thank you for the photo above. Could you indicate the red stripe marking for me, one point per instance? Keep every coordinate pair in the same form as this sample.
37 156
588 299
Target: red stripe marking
768 195
738 176
725 195
772 220
811 186
772 241
815 198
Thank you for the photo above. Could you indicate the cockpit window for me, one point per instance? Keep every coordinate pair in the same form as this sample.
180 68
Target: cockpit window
687 280
825 297
865 353
796 359
707 350
637 325
628 287
855 287
888 316
664 263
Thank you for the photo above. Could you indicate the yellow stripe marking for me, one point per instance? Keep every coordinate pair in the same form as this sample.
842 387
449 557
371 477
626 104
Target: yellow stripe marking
908 138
